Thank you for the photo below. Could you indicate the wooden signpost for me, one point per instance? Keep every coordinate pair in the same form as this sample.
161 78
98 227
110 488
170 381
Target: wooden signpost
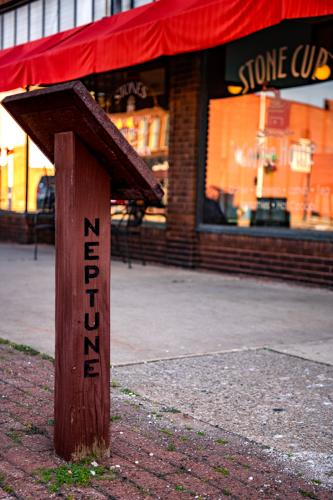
92 159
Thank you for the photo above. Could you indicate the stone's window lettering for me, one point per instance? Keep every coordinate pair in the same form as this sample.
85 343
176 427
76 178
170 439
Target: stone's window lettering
88 344
96 322
89 368
89 226
131 88
92 292
90 272
89 250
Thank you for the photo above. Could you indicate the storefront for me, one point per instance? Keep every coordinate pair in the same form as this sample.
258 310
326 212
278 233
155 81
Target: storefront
238 127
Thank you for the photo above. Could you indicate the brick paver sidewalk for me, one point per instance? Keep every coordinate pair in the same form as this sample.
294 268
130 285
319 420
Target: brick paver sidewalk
156 452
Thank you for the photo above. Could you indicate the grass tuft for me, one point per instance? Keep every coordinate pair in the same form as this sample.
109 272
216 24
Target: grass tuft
115 418
129 392
308 494
5 486
221 441
72 474
222 470
15 436
166 432
171 446
170 409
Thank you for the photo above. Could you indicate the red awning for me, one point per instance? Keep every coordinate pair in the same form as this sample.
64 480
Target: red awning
166 27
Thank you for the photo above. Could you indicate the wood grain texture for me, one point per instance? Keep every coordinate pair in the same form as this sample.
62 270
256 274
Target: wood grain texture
82 364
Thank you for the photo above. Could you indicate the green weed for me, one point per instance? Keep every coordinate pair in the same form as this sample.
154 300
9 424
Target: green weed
221 441
5 486
129 392
15 436
72 474
171 446
170 409
308 494
32 429
222 470
166 432
115 418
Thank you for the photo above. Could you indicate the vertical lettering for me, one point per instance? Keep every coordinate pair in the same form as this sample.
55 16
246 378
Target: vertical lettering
90 272
87 325
88 344
88 226
92 292
88 369
89 252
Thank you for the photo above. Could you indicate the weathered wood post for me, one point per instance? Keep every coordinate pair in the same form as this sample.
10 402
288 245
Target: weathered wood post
91 158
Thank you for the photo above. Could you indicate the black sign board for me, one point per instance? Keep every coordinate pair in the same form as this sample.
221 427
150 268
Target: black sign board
287 55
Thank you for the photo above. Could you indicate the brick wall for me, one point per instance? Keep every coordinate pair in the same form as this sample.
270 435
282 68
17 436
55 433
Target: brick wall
287 259
13 227
19 228
185 81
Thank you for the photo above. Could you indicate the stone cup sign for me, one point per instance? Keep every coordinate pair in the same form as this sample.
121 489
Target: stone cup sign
92 160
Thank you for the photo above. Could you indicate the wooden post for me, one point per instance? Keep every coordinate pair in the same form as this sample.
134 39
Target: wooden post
82 363
89 153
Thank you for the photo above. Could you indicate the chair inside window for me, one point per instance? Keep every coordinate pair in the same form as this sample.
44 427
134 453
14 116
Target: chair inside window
44 218
126 224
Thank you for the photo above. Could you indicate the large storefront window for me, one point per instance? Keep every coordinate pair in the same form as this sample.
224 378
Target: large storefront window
137 103
270 139
270 159
13 156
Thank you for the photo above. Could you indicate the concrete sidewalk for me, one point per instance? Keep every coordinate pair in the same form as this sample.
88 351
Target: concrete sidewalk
162 312
246 356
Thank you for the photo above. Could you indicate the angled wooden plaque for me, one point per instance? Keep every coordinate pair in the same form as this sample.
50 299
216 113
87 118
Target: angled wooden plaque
69 107
92 159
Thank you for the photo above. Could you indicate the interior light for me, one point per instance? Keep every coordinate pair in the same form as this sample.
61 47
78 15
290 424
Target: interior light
322 72
130 122
234 89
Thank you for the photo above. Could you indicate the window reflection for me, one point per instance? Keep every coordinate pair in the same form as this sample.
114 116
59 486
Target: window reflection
270 159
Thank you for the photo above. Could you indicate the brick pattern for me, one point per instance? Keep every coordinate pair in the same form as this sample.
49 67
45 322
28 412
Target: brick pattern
154 454
185 83
19 228
307 262
13 227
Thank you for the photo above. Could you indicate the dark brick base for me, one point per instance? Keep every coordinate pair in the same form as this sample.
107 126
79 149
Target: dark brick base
293 260
19 228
